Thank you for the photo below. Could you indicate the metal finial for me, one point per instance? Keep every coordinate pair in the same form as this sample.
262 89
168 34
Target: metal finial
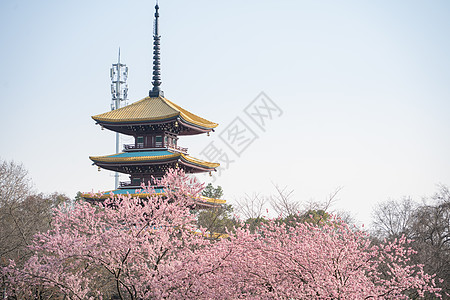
156 91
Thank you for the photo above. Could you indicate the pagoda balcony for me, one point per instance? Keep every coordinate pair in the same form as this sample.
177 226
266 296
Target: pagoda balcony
129 184
177 148
133 147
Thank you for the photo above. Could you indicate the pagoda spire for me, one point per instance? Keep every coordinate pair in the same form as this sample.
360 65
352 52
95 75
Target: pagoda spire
156 91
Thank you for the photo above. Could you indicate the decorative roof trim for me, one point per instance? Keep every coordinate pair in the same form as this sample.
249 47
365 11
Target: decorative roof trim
113 158
199 161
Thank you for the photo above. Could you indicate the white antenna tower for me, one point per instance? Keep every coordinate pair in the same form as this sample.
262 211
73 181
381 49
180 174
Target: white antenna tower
119 93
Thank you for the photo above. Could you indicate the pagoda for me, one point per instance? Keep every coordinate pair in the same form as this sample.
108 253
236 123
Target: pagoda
156 124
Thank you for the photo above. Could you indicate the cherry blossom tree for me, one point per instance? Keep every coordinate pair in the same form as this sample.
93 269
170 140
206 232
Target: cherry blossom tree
124 247
150 249
311 261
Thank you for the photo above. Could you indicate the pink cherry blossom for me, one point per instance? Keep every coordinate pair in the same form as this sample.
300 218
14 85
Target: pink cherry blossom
151 249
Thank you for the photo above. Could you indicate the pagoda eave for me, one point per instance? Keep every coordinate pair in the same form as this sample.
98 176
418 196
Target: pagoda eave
136 122
152 161
150 112
192 129
154 167
199 202
175 124
193 168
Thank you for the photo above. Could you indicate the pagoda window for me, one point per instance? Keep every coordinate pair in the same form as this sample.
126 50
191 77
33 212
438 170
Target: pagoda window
158 141
140 142
136 181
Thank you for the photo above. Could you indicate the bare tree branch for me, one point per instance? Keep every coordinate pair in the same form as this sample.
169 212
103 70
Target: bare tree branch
251 207
282 202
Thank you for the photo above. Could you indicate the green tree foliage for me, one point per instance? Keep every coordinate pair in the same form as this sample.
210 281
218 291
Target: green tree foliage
217 220
212 192
311 216
254 224
78 197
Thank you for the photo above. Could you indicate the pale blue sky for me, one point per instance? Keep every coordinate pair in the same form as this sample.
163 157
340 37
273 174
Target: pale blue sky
364 87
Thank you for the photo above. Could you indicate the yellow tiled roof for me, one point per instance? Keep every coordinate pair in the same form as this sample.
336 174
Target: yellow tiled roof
213 200
190 117
115 158
199 161
141 156
152 109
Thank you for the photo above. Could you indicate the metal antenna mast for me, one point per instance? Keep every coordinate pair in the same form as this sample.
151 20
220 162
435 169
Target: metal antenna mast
119 93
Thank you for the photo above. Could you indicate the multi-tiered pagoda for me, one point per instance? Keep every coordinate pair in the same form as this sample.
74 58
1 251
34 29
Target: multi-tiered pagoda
156 125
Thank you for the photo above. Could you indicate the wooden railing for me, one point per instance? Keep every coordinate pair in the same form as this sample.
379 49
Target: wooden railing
126 183
133 146
177 148
171 147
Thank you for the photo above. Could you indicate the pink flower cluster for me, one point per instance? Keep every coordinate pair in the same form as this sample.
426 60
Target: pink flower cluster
151 249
